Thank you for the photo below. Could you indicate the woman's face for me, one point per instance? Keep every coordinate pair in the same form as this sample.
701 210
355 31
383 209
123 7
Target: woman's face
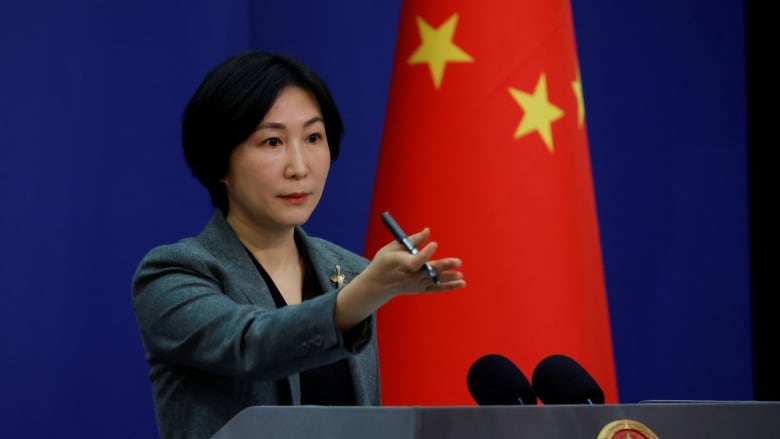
277 175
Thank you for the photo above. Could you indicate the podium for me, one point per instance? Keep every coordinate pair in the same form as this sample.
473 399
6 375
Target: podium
667 420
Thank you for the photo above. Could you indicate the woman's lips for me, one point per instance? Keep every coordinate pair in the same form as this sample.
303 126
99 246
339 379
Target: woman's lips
295 198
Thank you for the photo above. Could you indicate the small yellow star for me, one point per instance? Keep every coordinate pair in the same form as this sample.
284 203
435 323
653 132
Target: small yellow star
576 85
539 112
437 48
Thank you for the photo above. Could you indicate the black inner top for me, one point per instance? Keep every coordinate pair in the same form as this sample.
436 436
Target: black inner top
330 384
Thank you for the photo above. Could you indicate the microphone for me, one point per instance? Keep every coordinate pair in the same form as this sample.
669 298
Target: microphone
559 379
494 380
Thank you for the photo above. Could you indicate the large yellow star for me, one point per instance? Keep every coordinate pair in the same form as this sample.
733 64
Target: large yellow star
539 112
437 48
577 86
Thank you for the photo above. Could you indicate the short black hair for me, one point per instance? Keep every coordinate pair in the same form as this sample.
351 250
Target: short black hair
232 100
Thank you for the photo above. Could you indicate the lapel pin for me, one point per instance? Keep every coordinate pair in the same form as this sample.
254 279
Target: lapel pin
339 277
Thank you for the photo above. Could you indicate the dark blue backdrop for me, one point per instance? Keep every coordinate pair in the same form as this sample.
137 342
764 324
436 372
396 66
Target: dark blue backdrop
92 177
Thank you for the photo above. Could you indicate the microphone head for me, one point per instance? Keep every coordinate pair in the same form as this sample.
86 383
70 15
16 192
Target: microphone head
494 380
559 379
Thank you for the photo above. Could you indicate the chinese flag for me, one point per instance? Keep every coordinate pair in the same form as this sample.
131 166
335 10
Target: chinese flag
485 143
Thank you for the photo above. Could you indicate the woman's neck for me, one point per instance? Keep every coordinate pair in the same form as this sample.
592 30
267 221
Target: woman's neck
273 248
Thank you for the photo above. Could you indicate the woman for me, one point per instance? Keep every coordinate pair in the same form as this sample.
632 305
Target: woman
253 311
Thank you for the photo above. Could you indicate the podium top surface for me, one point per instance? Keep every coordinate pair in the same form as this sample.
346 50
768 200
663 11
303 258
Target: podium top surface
666 420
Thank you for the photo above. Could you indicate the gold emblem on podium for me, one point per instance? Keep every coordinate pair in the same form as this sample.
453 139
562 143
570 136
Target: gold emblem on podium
626 429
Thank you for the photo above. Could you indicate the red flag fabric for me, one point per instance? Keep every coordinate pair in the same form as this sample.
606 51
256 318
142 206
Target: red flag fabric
485 143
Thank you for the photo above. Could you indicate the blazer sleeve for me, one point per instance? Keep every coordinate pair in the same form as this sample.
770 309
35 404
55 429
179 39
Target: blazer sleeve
188 315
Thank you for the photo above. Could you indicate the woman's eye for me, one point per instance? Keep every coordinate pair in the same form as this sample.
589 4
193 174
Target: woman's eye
273 141
313 138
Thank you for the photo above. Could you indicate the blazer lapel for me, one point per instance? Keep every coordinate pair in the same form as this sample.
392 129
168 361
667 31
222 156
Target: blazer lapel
220 238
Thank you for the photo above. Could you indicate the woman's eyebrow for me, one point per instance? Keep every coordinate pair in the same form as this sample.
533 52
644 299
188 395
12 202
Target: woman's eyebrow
281 126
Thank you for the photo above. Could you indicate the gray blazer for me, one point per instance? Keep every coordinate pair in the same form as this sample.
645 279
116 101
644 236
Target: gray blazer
216 343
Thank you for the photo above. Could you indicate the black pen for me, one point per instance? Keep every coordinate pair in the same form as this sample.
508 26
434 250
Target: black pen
401 237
